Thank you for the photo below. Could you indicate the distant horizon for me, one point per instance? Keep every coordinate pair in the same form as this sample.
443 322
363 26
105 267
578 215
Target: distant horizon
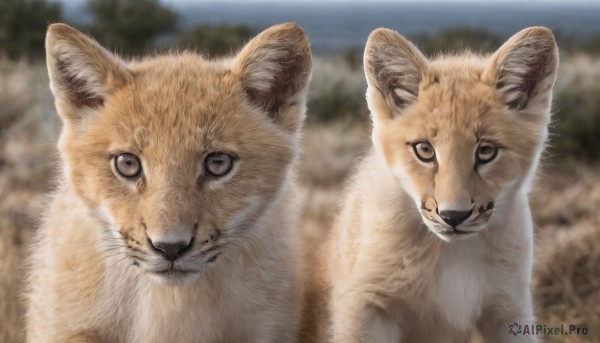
345 24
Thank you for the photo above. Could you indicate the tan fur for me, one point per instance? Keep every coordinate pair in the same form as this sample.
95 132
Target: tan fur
393 270
92 274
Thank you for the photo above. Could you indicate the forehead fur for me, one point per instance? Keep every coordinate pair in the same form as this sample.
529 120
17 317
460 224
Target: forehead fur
452 97
182 74
183 87
177 98
467 67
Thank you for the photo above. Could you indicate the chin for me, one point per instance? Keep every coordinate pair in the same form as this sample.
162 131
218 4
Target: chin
453 236
447 234
174 278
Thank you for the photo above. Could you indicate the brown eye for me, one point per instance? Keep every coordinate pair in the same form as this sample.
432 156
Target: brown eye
128 165
218 164
424 151
486 152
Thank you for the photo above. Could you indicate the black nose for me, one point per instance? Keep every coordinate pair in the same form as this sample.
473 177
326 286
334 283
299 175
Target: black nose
171 251
454 218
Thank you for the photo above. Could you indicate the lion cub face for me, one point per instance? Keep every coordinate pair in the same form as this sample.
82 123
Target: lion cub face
178 156
458 132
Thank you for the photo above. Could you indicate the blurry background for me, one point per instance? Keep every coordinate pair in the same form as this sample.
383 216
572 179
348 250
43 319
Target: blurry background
566 201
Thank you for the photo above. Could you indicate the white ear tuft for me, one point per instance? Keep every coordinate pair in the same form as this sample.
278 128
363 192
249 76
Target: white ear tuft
82 73
524 68
394 68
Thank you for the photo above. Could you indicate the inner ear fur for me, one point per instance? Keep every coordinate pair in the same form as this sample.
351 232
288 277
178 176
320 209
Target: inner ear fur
524 67
394 68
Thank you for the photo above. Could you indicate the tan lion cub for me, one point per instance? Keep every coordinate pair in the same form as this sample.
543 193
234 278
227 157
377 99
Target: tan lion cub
173 219
435 237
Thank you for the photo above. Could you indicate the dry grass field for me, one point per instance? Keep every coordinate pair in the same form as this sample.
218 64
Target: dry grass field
566 200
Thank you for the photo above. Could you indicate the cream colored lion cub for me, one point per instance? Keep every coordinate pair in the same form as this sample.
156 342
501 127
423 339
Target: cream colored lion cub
172 221
435 237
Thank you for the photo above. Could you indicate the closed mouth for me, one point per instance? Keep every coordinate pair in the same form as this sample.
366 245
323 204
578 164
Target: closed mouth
172 272
456 232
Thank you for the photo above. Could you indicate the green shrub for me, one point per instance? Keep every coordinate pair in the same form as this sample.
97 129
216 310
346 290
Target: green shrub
129 26
592 45
576 128
457 40
214 40
23 26
337 91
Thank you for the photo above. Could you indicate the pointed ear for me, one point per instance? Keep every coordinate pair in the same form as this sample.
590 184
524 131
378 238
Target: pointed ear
524 68
82 73
274 69
394 68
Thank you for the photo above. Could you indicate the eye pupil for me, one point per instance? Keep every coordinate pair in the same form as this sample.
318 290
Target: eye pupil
424 151
218 164
127 165
486 153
